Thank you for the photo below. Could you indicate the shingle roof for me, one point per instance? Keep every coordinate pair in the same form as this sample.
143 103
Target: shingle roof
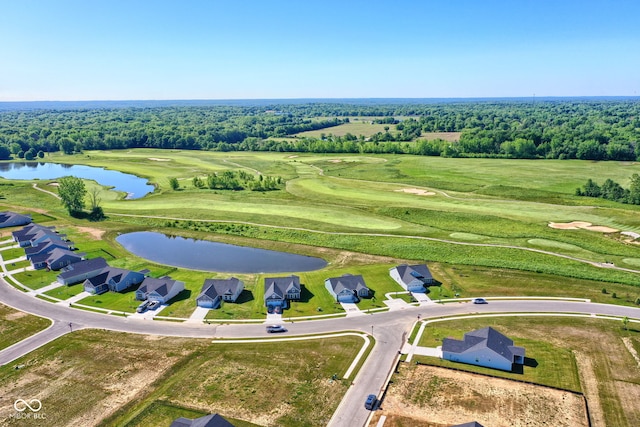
160 286
214 287
471 424
82 267
483 338
348 281
410 273
281 285
212 420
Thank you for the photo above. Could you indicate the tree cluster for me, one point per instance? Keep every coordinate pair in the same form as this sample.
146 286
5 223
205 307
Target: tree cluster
588 129
238 180
611 190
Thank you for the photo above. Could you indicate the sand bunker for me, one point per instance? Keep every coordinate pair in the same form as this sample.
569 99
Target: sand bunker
155 159
335 161
416 191
577 225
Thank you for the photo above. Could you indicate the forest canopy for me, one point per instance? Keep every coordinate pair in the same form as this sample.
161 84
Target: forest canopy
555 129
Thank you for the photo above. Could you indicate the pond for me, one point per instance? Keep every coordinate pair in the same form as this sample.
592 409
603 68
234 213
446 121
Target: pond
134 186
213 256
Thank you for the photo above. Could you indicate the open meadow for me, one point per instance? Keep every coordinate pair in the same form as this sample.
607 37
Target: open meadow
488 217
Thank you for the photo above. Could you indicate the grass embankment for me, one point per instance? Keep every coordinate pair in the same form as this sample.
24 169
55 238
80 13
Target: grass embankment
16 326
588 355
111 378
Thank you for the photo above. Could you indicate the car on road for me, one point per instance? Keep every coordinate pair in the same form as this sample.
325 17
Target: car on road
370 403
153 305
480 301
275 328
143 307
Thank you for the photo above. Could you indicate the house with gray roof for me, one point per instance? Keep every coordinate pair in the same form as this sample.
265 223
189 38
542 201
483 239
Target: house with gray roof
347 288
211 420
44 235
484 347
23 236
214 291
81 270
12 219
47 246
278 291
471 424
56 259
113 279
413 278
161 290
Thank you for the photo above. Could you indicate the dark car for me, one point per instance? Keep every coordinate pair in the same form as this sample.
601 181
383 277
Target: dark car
275 328
370 403
153 305
143 307
480 301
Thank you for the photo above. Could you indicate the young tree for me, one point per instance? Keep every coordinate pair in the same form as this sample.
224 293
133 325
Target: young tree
173 182
97 214
72 191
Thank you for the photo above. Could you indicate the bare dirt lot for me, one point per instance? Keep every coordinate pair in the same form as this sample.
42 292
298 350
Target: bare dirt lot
416 191
432 396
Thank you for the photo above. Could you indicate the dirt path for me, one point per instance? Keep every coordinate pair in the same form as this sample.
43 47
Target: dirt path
589 383
35 186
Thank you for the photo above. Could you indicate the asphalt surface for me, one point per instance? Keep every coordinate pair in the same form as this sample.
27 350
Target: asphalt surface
388 328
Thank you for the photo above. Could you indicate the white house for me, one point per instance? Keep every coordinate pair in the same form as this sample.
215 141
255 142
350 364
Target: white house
413 278
483 347
347 288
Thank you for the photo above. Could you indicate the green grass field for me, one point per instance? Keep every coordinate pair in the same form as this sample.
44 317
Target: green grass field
16 326
367 205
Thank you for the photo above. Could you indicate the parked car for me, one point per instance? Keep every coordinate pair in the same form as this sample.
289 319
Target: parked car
153 305
143 307
275 328
370 403
480 301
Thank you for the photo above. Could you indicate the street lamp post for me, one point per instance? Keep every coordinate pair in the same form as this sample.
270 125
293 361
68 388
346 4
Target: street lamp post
372 330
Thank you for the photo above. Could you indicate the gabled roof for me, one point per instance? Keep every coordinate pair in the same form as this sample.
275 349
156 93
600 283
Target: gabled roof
82 267
212 420
214 287
471 424
280 286
109 274
55 255
12 216
347 282
160 286
29 230
46 246
481 339
410 273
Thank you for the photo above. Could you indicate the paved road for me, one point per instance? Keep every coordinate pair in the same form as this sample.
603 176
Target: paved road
388 329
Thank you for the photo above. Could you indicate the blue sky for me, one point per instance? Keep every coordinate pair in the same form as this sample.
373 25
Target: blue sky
212 49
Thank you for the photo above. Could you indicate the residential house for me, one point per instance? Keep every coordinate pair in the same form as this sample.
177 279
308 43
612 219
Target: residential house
24 235
483 347
56 259
45 234
278 291
413 278
81 270
12 219
114 280
47 246
161 290
211 420
347 288
214 291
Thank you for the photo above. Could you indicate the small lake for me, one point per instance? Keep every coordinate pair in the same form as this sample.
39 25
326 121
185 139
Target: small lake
213 256
134 186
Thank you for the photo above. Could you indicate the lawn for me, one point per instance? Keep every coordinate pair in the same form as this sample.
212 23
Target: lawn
133 372
12 253
65 292
589 355
16 325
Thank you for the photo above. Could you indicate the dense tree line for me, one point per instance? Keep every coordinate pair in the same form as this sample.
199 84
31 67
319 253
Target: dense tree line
560 129
611 190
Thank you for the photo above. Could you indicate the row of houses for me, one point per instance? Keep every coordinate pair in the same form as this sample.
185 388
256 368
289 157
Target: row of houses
44 247
279 291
